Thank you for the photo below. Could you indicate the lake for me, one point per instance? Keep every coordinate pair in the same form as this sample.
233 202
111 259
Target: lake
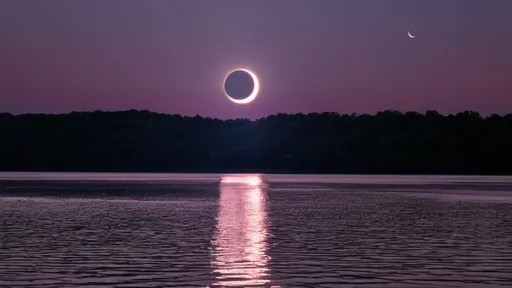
213 230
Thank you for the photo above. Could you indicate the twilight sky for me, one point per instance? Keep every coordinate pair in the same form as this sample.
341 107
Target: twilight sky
171 56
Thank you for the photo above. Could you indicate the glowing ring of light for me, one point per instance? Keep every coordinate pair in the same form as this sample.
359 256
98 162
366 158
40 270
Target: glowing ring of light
255 89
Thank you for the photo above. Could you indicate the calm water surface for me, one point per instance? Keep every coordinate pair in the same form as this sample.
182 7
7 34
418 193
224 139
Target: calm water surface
206 230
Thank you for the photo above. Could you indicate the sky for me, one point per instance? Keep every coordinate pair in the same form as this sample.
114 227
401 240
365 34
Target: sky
171 56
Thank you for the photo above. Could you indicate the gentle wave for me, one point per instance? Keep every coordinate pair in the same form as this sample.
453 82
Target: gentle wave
247 234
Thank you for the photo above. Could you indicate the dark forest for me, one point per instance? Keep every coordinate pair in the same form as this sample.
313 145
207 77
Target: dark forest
388 142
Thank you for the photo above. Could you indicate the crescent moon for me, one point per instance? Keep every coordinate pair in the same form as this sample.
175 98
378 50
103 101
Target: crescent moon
409 33
255 90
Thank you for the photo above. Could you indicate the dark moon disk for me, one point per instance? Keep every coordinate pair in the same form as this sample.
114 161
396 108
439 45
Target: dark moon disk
239 85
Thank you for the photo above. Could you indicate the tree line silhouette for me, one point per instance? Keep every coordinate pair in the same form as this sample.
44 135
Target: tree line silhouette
388 142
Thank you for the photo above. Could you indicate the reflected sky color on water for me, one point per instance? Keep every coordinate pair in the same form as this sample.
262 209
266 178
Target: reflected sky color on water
240 241
211 230
269 178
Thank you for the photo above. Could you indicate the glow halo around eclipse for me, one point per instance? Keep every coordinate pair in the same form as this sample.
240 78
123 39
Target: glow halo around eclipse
255 89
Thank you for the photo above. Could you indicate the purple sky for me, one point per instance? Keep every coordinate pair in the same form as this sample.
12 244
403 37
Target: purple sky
310 55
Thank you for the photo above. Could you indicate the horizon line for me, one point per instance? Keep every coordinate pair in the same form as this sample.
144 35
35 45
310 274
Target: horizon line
402 112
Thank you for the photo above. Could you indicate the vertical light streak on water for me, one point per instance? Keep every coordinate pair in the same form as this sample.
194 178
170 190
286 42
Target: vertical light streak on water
240 242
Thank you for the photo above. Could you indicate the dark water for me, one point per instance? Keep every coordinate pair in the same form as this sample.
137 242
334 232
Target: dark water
143 230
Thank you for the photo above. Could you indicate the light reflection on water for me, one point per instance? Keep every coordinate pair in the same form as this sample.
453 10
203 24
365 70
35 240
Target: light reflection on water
240 241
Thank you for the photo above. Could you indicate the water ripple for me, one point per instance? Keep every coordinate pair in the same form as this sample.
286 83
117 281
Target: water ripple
247 233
